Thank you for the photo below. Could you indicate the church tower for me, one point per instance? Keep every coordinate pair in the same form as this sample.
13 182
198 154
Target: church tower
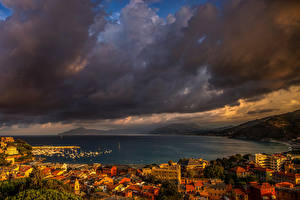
77 187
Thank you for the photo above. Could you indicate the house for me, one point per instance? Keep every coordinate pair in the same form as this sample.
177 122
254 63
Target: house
265 191
293 178
125 180
217 191
112 171
239 172
264 174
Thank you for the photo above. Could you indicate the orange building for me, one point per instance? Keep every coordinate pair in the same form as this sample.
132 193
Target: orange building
190 188
239 172
113 171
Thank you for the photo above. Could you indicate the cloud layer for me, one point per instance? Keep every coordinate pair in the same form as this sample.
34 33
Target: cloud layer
63 61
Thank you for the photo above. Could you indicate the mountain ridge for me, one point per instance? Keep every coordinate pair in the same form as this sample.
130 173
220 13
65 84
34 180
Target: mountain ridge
283 127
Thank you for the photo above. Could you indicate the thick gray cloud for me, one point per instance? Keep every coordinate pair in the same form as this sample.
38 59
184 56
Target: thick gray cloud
62 61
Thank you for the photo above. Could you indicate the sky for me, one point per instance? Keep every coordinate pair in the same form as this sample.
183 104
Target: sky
139 64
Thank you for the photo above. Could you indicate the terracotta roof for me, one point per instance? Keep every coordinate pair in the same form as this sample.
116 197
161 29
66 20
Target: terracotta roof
189 187
198 184
134 187
284 184
238 169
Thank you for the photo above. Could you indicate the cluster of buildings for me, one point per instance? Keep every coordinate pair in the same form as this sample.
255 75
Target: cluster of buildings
8 150
90 181
276 177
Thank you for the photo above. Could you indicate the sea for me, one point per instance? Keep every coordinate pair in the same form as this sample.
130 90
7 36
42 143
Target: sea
149 149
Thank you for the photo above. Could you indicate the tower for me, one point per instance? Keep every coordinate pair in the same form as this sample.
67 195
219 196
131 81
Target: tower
77 187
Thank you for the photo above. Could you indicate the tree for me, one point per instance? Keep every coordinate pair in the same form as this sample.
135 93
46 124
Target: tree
3 162
169 191
214 171
43 194
36 178
191 173
252 178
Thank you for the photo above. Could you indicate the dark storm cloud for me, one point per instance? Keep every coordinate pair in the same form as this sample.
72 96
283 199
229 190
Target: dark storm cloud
61 60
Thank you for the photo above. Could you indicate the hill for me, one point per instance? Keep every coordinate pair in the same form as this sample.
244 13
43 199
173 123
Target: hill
81 131
284 127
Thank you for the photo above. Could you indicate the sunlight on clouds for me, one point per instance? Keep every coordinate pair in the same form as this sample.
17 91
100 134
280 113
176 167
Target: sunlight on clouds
274 103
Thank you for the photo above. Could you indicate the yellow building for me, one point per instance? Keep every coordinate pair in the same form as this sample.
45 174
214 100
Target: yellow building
260 159
277 162
167 172
146 171
274 162
11 150
28 172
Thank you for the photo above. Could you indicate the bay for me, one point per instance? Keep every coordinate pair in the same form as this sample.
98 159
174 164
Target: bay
147 149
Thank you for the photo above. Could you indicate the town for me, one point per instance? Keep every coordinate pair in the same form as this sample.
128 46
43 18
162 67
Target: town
237 177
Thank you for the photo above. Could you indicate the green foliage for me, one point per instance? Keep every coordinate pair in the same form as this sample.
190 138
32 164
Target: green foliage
182 160
169 191
3 162
296 161
214 171
12 188
252 178
232 161
36 178
191 173
43 194
23 147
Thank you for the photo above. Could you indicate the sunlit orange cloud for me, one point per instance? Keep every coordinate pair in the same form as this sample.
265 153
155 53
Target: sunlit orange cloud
274 103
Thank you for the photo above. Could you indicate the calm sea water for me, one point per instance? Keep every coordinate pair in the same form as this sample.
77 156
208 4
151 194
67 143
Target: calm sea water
146 149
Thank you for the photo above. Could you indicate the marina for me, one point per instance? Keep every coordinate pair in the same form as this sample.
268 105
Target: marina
70 152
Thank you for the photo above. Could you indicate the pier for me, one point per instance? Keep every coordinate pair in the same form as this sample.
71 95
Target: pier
56 147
